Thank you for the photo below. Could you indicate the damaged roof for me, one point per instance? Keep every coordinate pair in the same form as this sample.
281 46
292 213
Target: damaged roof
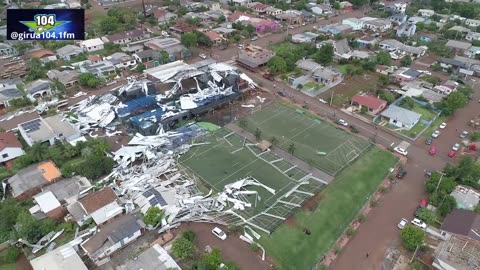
94 201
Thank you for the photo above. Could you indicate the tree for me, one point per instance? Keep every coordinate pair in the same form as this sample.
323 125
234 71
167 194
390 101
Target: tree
221 19
35 70
277 65
242 123
31 229
153 216
412 237
203 39
182 248
182 11
140 68
453 102
258 134
406 61
274 140
408 103
211 261
189 39
109 25
89 80
38 151
250 29
449 203
383 58
100 147
324 55
384 79
12 255
189 235
291 149
426 215
8 211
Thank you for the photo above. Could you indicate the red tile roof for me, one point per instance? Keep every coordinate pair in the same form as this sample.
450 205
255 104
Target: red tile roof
94 58
369 101
94 201
213 36
235 15
8 139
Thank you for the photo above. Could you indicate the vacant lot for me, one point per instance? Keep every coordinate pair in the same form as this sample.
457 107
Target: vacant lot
343 92
339 203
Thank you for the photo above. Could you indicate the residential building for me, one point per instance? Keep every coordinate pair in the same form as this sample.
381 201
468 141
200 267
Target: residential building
214 37
355 23
164 16
415 20
47 205
112 237
38 89
376 24
181 28
121 60
67 77
400 117
258 7
154 258
10 148
346 6
367 42
406 30
467 198
398 18
271 11
342 49
335 29
100 69
101 206
306 37
472 36
48 129
385 70
68 52
64 257
462 222
253 56
126 36
172 46
396 8
68 191
43 55
92 45
317 10
473 51
372 104
396 46
457 253
7 51
405 74
29 181
290 18
212 5
426 12
472 23
145 56
458 47
320 73
9 91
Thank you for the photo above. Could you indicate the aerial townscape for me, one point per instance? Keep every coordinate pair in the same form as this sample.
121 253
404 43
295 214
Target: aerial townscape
232 134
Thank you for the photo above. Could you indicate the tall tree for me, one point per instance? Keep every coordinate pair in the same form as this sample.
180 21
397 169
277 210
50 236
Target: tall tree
383 58
324 55
153 216
39 151
277 65
412 237
189 39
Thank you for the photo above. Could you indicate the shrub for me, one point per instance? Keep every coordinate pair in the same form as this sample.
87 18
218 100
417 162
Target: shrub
382 189
373 202
361 218
254 247
338 249
350 231
189 235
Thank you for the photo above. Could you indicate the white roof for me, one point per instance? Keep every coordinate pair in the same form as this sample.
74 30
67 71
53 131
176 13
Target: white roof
107 212
168 71
92 42
64 257
47 201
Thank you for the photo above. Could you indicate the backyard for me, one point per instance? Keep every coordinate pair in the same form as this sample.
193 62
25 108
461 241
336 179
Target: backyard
351 85
338 205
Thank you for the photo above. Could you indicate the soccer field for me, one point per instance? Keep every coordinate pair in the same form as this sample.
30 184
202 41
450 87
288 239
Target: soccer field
326 147
229 157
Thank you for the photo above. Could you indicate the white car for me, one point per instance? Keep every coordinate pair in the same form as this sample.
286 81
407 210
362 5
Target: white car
343 122
401 151
435 134
254 38
455 147
219 233
402 223
203 56
464 134
443 125
420 224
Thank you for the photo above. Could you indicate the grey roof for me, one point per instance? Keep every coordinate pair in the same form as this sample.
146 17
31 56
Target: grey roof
38 86
402 115
75 209
61 126
145 54
27 179
68 188
69 50
458 44
9 92
453 62
64 77
463 222
412 72
45 129
154 258
307 64
342 47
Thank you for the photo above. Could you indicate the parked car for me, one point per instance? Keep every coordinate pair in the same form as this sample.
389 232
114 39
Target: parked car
343 122
452 154
401 151
428 141
455 147
435 134
254 38
443 125
219 233
203 56
417 222
280 93
432 151
401 173
402 223
464 134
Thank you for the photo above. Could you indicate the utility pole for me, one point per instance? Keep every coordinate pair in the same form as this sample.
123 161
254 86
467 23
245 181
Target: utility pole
144 9
440 181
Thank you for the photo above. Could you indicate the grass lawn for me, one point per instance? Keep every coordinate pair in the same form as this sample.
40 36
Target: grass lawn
351 86
3 265
339 204
426 114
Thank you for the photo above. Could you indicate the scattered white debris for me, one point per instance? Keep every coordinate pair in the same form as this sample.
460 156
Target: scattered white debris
248 106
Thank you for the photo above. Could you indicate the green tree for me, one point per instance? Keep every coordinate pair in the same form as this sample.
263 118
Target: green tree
140 68
12 255
453 102
258 134
182 248
221 19
211 261
448 204
109 25
291 149
38 151
428 216
203 39
250 30
9 211
100 147
324 55
406 61
189 39
153 216
408 103
35 70
182 11
383 58
89 80
242 123
277 65
189 235
273 140
31 229
412 237
384 79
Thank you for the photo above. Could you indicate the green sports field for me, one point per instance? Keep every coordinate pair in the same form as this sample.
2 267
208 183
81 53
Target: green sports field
339 203
325 146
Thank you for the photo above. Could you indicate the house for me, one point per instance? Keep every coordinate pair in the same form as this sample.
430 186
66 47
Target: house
342 49
290 17
258 7
385 70
367 42
121 60
456 253
181 28
38 89
126 36
252 56
400 117
306 37
472 36
67 77
355 23
406 30
458 47
68 52
7 51
172 46
463 223
43 55
376 24
10 148
405 74
47 205
346 6
48 129
426 12
94 59
415 20
372 104
397 47
272 11
467 198
335 29
473 51
398 18
396 8
472 23
68 191
29 181
212 5
112 237
9 91
154 258
316 10
145 56
92 45
163 16
319 73
214 37
101 206
100 69
63 257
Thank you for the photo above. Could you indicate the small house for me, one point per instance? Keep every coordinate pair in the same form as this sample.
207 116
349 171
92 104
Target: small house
92 45
10 148
401 117
371 104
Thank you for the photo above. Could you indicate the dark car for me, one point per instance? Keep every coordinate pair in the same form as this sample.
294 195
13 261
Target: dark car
401 173
280 93
428 141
